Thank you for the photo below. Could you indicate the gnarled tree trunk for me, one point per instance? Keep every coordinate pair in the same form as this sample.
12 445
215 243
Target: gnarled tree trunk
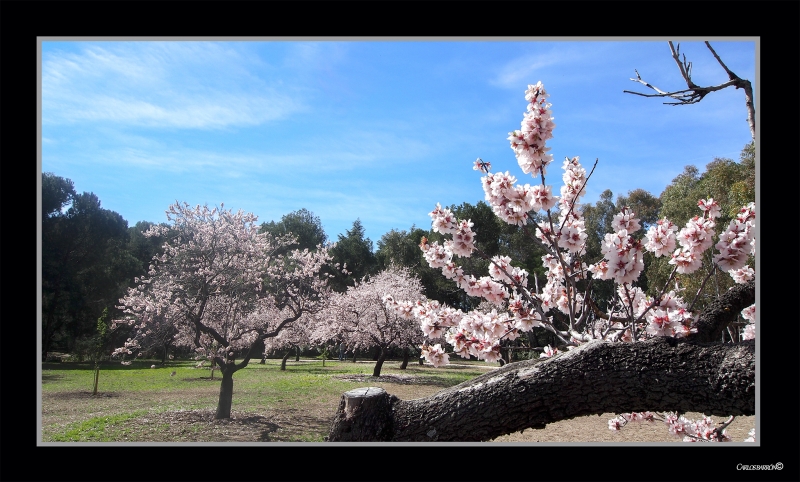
660 374
599 377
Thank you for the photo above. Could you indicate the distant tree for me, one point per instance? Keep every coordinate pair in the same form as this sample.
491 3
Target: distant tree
646 206
220 283
57 192
731 184
99 349
397 247
353 253
291 338
598 218
364 317
85 262
143 248
303 225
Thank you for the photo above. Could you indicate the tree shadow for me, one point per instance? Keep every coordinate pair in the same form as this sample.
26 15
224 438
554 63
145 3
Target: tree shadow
50 378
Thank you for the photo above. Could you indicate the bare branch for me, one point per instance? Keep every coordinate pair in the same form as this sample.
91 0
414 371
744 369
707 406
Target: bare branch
695 93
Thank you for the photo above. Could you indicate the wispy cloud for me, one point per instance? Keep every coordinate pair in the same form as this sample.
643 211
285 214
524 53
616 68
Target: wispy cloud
161 84
521 70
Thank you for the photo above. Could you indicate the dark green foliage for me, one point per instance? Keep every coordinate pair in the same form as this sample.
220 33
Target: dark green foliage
57 192
86 265
303 225
597 220
646 206
732 185
352 252
143 248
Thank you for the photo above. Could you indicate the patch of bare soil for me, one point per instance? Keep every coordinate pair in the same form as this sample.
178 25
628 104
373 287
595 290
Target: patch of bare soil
594 428
200 426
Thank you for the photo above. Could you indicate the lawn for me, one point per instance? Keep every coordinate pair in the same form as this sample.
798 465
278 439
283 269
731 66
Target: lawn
140 404
137 403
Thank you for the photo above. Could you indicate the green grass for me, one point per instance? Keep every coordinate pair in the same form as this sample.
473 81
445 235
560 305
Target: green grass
97 429
304 376
127 392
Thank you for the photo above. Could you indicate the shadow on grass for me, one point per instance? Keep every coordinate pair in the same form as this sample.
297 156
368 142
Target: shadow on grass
51 378
397 379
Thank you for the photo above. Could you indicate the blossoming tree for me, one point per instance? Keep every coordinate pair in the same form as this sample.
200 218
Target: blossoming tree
645 352
367 315
223 287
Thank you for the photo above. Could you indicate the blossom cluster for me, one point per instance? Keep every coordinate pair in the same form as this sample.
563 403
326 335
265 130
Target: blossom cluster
537 127
633 315
737 243
512 203
702 430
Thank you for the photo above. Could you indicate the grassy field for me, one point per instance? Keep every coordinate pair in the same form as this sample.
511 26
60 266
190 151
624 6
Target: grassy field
140 404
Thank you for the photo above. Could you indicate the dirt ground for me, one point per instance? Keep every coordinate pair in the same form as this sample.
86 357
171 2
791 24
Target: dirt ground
313 422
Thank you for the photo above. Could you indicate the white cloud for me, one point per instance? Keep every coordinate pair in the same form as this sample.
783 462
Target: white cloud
196 85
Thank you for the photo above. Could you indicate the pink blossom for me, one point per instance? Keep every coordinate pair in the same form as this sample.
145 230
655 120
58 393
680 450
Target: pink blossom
710 207
435 355
661 238
548 352
742 275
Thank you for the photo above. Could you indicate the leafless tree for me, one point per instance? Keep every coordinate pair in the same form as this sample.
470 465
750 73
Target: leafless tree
694 93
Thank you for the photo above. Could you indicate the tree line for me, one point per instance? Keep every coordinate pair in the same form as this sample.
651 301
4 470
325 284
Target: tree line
90 256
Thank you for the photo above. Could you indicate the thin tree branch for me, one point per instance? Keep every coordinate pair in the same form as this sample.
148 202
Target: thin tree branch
695 93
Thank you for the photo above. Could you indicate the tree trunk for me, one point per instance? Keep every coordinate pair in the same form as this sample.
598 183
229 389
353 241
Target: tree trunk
96 377
723 311
285 357
404 365
297 355
379 364
354 355
661 374
225 392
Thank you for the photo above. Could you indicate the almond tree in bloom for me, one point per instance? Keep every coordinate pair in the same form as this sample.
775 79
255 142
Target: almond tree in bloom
594 341
292 337
223 287
367 315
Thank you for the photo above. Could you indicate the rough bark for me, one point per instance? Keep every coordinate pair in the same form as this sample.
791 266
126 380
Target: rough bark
723 311
660 374
365 416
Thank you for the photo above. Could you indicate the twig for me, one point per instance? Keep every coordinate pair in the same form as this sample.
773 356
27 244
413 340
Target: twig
695 93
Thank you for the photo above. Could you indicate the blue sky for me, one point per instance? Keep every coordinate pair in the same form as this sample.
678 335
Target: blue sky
375 130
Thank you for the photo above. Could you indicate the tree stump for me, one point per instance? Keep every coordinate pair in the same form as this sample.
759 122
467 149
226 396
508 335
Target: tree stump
364 415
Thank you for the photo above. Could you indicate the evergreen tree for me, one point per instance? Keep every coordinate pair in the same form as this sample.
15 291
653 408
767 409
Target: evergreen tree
353 253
